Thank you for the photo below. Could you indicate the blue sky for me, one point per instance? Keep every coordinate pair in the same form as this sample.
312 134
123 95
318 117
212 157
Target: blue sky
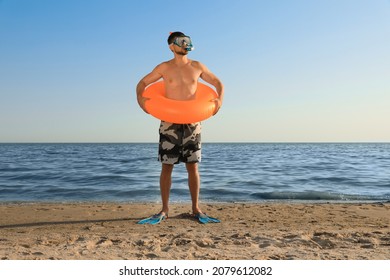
294 71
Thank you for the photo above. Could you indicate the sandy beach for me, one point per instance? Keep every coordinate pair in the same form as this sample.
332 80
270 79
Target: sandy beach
103 231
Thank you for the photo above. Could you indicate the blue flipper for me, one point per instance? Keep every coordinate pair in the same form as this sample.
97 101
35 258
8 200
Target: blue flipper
153 220
204 219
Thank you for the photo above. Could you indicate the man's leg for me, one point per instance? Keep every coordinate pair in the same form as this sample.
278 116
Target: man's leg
194 185
165 185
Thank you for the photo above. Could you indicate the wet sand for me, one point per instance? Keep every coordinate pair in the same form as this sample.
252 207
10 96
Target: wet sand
105 231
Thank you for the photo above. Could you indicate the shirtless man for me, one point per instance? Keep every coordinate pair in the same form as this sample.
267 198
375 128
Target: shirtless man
178 142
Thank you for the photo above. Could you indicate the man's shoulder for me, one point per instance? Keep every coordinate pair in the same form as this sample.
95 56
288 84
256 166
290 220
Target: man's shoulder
197 64
162 67
164 64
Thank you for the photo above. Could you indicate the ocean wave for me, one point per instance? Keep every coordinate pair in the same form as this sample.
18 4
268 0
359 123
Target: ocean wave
316 195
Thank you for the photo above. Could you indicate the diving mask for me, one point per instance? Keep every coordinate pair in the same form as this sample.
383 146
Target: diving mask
184 42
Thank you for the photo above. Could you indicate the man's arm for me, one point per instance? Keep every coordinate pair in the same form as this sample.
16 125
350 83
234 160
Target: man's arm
210 78
152 77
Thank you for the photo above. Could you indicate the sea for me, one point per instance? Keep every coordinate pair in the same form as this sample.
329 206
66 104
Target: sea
230 172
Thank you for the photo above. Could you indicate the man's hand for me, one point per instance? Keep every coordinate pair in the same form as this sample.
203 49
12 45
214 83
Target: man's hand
218 104
141 101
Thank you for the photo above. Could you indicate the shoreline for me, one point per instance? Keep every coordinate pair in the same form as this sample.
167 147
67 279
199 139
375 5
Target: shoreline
266 230
205 202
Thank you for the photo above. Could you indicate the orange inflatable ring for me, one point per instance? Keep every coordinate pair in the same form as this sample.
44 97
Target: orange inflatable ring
179 111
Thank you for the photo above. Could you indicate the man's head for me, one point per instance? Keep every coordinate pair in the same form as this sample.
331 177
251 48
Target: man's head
180 43
174 35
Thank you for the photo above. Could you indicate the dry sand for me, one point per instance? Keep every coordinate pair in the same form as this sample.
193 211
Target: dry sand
248 231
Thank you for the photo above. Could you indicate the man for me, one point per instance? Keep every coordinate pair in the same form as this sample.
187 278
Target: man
180 142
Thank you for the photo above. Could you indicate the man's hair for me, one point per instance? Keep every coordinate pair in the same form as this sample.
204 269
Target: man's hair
173 36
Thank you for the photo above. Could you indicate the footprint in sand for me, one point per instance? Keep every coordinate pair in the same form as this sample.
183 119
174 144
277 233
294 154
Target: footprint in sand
104 242
182 241
265 244
205 243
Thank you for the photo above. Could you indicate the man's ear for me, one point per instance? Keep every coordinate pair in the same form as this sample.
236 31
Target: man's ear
171 47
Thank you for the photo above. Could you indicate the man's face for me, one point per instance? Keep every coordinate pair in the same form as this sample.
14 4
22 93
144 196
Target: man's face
179 50
182 45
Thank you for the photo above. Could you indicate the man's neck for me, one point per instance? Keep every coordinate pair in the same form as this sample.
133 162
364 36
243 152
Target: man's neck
180 59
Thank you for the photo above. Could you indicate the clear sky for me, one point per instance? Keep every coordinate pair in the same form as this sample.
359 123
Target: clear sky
294 71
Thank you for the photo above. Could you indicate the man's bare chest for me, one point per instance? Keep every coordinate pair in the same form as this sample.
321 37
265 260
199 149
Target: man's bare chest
184 73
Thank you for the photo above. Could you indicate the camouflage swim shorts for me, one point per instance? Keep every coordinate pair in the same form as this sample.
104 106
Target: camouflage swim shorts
179 143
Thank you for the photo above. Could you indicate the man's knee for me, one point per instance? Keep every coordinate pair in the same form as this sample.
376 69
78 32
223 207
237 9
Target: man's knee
166 168
192 167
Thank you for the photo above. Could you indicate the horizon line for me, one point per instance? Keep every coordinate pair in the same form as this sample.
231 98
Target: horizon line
209 142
